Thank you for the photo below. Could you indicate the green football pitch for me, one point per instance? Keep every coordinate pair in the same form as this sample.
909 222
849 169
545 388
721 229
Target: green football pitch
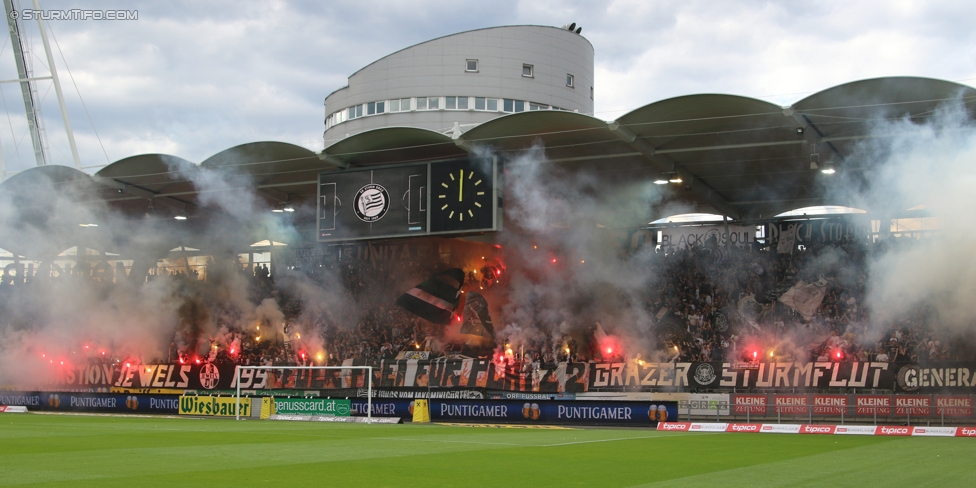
77 450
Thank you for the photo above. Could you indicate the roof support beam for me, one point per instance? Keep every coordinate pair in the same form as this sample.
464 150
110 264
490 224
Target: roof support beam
334 161
139 192
668 165
463 144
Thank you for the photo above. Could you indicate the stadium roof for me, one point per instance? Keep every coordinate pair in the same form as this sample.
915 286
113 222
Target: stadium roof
737 156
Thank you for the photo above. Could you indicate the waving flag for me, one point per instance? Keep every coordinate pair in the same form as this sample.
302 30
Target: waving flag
805 297
476 319
436 298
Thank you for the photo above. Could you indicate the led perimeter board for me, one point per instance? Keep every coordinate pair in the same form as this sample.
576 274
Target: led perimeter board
437 198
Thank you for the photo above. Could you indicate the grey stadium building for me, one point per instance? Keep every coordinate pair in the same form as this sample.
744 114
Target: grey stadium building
503 90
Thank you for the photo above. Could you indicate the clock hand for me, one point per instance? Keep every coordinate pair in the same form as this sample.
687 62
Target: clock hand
461 187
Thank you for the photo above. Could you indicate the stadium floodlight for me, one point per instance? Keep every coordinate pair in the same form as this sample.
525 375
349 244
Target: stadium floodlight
369 382
675 178
661 181
828 168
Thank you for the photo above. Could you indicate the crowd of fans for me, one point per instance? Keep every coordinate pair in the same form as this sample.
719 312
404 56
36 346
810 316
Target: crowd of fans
707 303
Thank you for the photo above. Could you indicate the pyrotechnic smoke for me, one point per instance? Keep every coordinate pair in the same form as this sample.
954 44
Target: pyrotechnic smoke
930 164
73 318
565 241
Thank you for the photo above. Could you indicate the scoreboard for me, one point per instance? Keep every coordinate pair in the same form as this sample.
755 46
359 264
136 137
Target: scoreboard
446 197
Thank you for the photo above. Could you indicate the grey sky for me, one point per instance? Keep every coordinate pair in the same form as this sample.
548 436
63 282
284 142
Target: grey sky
193 78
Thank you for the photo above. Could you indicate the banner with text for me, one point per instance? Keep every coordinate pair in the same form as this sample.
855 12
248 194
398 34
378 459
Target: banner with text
477 375
705 236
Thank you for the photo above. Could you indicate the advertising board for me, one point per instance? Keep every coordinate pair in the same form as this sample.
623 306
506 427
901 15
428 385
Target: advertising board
312 406
214 406
554 412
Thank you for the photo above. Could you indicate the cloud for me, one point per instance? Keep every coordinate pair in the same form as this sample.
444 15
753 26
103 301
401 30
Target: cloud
193 79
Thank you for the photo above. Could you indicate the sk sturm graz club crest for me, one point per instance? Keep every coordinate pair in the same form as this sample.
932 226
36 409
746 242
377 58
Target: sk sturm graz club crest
371 203
704 374
209 376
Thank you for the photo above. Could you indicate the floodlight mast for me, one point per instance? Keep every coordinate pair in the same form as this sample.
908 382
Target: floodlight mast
26 81
369 384
57 87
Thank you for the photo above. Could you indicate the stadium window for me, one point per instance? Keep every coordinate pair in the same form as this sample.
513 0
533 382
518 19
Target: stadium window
352 113
527 70
433 103
421 103
380 107
405 104
462 103
359 110
395 105
450 103
471 66
509 105
536 106
520 106
493 104
370 108
569 80
479 103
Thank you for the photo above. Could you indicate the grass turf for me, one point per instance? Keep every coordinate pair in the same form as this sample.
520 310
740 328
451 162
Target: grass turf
76 450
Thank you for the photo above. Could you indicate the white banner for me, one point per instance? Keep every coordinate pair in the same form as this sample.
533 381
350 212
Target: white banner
702 427
855 430
787 240
705 404
780 429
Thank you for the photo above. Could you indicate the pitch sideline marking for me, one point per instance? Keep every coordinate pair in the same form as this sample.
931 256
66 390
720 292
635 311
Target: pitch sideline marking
617 439
507 426
123 415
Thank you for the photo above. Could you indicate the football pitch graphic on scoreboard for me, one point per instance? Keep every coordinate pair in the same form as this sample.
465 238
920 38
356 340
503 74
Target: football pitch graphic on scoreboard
447 197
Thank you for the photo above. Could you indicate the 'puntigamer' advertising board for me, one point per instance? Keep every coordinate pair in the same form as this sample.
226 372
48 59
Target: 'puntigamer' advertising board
554 412
92 402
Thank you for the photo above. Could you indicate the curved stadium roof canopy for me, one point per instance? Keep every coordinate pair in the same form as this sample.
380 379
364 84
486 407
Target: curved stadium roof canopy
740 157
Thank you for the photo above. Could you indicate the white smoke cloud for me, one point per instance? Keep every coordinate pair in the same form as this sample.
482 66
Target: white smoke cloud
930 164
565 240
